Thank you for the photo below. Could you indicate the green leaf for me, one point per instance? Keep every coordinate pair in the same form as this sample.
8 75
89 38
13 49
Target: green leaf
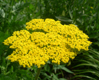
93 72
71 16
93 51
54 77
64 19
47 68
56 67
88 77
87 64
46 75
64 68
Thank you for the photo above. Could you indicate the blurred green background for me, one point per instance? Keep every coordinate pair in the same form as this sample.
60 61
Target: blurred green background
84 13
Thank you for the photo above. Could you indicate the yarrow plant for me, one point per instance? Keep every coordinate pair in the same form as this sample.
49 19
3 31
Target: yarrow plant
46 40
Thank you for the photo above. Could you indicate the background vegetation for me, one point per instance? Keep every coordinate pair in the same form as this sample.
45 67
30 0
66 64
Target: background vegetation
83 13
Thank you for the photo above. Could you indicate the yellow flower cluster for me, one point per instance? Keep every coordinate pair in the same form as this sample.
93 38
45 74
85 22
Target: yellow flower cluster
44 41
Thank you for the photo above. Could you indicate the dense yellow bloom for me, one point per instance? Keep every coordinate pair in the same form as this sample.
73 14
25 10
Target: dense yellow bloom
44 41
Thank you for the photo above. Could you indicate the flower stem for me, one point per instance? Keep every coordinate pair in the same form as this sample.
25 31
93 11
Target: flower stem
38 72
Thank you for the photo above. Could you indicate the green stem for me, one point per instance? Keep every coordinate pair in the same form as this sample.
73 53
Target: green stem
38 72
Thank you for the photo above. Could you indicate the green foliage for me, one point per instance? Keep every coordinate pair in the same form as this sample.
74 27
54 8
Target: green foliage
83 13
91 64
53 8
54 72
14 14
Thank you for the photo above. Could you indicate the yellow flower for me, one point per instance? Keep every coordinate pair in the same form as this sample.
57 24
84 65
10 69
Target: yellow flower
48 40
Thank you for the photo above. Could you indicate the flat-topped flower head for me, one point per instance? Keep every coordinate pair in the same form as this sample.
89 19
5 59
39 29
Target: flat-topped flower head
46 40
